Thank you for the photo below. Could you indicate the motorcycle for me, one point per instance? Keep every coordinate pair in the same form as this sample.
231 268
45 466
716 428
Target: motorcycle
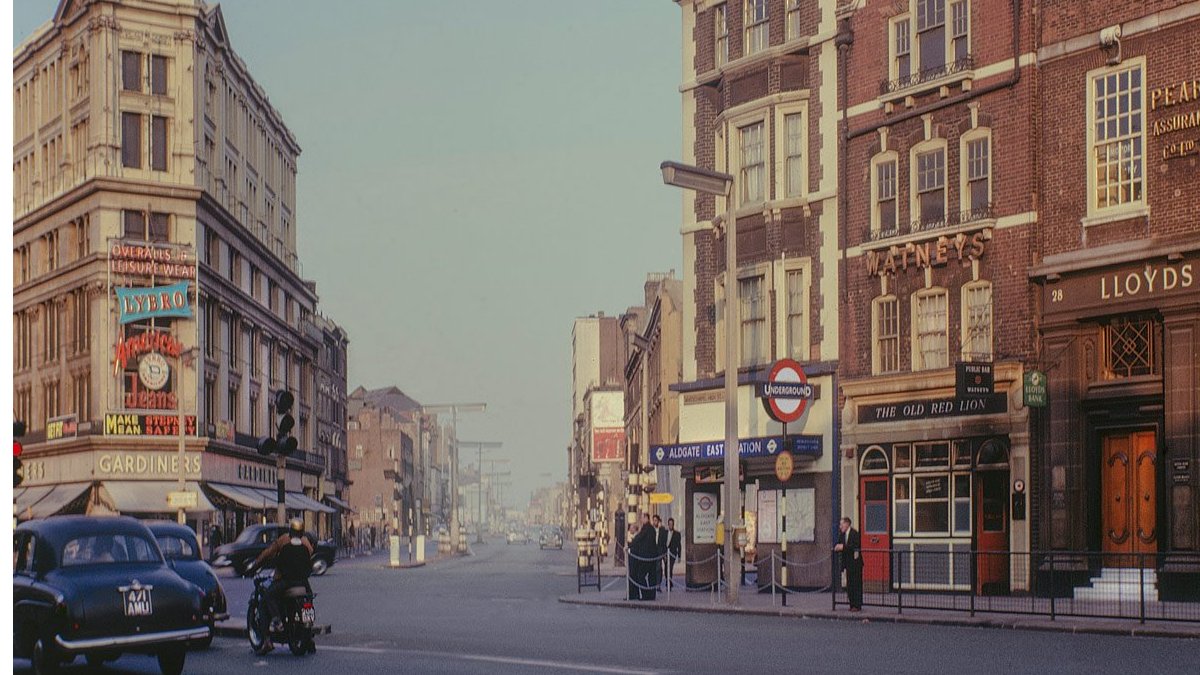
299 617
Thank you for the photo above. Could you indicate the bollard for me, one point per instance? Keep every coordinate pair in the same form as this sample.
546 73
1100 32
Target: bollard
420 548
394 558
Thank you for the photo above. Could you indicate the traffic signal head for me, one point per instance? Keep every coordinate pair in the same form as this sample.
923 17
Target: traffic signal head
18 472
18 431
286 446
286 423
283 402
266 445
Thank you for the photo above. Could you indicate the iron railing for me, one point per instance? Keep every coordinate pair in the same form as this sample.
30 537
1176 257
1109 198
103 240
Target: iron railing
928 75
1049 583
929 225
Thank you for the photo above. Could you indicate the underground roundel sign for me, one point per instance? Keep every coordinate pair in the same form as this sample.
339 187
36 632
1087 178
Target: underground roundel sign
786 391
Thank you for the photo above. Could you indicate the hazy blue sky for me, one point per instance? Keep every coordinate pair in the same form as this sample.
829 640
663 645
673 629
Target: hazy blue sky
474 175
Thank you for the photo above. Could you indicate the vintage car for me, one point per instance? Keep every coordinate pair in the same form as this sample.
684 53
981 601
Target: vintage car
551 537
253 540
182 551
99 586
517 535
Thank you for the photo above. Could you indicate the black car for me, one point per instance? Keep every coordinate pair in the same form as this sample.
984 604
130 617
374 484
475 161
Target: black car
99 586
253 540
182 551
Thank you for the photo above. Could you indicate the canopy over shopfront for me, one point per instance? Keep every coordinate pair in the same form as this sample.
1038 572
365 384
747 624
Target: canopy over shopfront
149 496
338 503
46 500
264 499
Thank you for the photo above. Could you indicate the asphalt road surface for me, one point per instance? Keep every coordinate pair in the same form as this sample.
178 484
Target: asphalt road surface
497 611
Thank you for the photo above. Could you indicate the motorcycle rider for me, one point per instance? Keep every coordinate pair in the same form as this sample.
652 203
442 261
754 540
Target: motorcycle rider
292 556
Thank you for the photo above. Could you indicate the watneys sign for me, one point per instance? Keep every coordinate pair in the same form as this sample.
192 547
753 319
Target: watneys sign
961 247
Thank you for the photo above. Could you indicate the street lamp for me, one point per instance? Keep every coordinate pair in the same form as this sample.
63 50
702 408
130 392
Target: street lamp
721 184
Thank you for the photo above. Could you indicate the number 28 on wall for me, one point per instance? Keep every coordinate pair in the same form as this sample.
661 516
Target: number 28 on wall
1056 295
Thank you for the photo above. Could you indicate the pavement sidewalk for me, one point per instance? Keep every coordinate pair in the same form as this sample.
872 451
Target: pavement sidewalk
817 605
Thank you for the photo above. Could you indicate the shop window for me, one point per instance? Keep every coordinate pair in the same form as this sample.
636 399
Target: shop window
903 506
1130 347
933 455
962 503
903 456
962 454
931 504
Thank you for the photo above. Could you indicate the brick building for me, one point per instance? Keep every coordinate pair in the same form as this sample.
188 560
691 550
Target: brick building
759 102
1118 286
383 432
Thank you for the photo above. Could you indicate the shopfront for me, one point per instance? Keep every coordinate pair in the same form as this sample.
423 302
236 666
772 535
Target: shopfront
937 483
1121 435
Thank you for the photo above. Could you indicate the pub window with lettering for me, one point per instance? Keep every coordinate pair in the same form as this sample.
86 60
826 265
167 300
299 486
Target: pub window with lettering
1116 139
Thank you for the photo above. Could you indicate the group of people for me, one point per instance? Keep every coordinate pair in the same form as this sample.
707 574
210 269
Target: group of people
653 552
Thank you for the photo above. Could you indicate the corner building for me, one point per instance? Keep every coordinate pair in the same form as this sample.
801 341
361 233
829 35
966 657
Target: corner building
156 281
1118 288
760 92
938 234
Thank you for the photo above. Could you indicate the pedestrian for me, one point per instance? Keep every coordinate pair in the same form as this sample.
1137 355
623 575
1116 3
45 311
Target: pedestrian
214 540
661 539
642 552
850 547
372 535
353 541
674 550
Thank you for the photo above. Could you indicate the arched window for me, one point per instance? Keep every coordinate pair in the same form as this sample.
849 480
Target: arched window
874 460
993 452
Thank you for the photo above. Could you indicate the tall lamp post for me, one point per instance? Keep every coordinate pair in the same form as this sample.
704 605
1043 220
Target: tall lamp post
453 409
481 446
721 184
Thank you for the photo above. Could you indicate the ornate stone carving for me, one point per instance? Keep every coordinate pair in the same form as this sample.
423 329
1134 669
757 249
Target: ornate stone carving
1089 359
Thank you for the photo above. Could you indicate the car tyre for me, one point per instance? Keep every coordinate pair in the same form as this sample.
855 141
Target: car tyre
171 660
43 658
320 567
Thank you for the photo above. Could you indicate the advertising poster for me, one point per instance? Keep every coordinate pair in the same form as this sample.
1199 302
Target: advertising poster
704 517
608 445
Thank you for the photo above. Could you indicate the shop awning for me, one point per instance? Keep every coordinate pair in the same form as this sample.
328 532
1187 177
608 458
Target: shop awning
52 501
242 495
302 502
25 498
149 496
338 503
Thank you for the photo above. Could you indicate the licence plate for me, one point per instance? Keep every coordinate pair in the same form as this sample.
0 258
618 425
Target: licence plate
308 615
138 602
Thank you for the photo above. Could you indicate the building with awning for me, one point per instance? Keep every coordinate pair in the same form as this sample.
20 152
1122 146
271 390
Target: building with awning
42 501
148 497
263 499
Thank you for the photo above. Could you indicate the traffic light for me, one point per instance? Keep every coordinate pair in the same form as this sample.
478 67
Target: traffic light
282 443
18 468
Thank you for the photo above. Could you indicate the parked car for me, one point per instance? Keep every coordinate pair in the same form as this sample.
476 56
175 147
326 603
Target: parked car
517 536
99 586
182 552
253 540
550 538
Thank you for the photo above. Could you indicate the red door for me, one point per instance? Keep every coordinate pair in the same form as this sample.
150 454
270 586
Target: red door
876 529
991 532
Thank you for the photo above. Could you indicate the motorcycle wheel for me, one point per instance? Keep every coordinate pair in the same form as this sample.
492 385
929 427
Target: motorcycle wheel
319 567
254 629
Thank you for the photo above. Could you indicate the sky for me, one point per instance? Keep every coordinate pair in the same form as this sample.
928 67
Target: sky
474 175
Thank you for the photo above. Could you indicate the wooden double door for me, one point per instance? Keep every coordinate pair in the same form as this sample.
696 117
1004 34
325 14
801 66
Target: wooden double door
1129 496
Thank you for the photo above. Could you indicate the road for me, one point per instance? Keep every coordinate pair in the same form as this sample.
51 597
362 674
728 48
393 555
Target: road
497 611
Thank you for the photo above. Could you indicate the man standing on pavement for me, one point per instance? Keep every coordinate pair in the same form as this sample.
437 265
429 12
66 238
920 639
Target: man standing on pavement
674 550
661 537
850 547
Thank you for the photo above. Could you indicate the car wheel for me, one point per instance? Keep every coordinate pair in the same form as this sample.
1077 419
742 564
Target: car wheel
43 658
320 567
171 660
207 642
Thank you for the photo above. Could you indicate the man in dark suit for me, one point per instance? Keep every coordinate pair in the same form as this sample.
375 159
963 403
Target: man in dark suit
850 547
661 538
642 551
674 550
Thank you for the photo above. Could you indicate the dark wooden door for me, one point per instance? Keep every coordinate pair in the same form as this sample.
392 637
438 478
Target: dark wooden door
1130 496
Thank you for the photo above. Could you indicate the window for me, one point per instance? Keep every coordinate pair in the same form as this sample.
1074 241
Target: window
931 187
134 226
51 391
82 327
51 336
210 401
929 309
979 178
1131 347
931 34
977 321
753 309
884 215
962 503
253 429
81 394
886 329
959 23
23 334
752 163
158 143
931 504
105 548
252 334
131 140
903 506
131 71
50 242
211 344
235 355
902 48
1116 136
793 19
756 27
232 406
794 164
158 75
795 314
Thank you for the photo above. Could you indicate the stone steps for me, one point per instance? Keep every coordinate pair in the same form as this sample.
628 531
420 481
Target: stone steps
1121 585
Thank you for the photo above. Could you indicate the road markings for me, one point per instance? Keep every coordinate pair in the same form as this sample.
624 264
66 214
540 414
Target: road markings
507 660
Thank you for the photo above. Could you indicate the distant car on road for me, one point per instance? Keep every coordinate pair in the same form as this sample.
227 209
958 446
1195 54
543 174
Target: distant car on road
517 536
182 552
253 540
99 586
550 538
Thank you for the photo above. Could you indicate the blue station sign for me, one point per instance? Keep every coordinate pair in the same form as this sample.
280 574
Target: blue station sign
801 445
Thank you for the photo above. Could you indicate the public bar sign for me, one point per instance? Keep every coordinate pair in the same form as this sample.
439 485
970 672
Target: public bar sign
808 446
973 379
134 424
932 409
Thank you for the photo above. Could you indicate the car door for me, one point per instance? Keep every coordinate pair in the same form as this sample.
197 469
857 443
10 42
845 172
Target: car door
31 601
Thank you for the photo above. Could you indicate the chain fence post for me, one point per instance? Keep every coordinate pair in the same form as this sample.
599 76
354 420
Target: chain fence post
1142 585
1053 587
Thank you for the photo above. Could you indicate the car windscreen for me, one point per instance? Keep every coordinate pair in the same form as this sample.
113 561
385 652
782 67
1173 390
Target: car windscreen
177 548
109 548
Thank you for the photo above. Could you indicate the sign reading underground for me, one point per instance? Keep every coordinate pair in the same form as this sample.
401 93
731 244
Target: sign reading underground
786 392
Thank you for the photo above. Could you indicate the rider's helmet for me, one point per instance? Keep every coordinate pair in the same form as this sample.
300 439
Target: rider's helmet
296 527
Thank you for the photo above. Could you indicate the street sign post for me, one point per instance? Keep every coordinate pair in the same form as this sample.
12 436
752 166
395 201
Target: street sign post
786 392
181 499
